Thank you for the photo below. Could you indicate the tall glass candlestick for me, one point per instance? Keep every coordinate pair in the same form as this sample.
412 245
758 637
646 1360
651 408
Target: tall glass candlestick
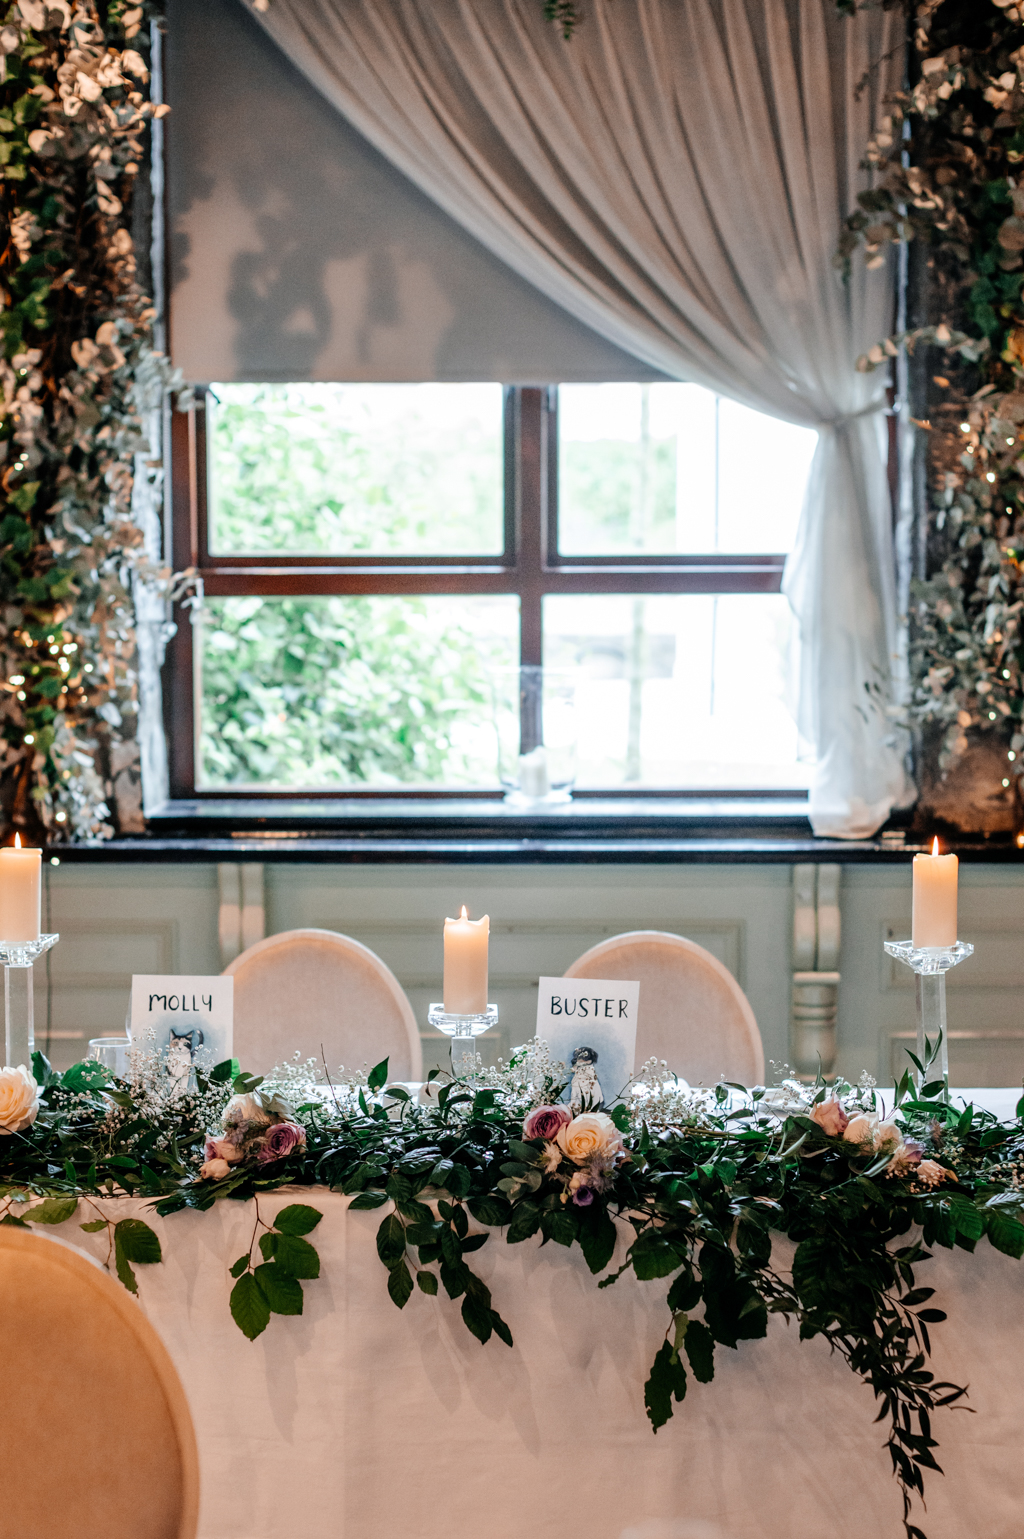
931 964
19 1002
463 1030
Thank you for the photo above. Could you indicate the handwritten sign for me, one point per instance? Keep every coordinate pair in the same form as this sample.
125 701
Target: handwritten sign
189 1018
595 1019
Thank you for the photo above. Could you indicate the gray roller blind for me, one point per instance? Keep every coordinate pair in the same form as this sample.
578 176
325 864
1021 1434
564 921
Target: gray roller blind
298 252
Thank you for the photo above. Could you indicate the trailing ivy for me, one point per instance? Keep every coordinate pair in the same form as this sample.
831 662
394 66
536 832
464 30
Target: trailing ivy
691 1190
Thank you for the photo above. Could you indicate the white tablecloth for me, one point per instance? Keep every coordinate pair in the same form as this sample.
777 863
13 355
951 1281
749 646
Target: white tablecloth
361 1422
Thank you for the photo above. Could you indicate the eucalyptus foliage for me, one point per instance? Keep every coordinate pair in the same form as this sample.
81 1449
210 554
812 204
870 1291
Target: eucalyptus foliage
947 157
76 372
702 1188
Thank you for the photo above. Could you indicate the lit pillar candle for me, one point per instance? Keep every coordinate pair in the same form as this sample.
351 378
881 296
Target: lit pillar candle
935 878
465 965
20 885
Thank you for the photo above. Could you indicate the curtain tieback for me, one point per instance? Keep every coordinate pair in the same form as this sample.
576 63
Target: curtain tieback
879 404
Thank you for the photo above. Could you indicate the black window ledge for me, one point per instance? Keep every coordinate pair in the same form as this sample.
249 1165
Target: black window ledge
716 829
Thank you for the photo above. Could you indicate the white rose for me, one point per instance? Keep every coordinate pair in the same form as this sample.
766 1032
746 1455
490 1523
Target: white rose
590 1135
860 1130
244 1108
887 1136
19 1100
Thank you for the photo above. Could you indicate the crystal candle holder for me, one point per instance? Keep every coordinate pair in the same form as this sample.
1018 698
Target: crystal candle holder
18 958
463 1030
930 965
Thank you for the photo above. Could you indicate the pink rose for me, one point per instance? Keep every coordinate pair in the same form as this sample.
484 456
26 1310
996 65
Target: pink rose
281 1139
931 1173
222 1149
545 1121
214 1170
830 1117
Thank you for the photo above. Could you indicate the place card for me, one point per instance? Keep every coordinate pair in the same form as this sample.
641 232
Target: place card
189 1017
595 1019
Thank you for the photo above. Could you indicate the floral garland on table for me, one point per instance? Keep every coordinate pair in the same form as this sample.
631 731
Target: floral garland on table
949 164
77 375
697 1182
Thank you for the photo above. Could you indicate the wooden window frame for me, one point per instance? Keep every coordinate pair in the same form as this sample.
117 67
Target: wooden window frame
530 568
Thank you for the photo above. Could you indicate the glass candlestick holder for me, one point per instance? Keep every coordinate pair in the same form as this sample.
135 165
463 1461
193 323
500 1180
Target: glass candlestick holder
463 1030
931 964
19 1004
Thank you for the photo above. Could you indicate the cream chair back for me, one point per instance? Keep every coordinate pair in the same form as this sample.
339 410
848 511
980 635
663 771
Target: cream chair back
692 1011
322 995
94 1426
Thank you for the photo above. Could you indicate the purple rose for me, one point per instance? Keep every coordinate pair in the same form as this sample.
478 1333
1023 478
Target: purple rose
281 1139
583 1196
913 1152
545 1121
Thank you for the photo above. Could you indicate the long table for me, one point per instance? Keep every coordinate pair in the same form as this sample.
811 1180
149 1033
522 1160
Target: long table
359 1421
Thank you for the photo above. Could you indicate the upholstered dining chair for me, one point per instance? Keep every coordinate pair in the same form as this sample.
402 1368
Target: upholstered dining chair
94 1424
323 995
692 1011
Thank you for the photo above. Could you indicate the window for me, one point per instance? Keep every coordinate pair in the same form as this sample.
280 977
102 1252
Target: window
379 559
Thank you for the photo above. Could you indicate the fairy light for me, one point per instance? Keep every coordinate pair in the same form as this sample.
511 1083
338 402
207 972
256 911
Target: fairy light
965 427
61 817
1006 782
29 737
990 475
1011 756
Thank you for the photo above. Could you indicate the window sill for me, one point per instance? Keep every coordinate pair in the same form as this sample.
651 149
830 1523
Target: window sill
684 830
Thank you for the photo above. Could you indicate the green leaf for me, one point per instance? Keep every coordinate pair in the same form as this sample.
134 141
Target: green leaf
969 1222
297 1257
54 1210
83 1077
562 1227
222 1072
653 1256
477 1317
297 1219
239 1267
668 1378
378 1076
427 1283
282 1292
133 1241
501 1330
597 1242
620 1116
95 1226
1006 1234
494 1211
400 1284
15 1223
685 1291
525 1221
391 1240
268 1246
249 1308
700 1349
370 1200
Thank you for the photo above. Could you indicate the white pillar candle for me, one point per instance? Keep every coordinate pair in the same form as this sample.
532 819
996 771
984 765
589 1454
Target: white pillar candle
465 965
534 780
20 892
935 878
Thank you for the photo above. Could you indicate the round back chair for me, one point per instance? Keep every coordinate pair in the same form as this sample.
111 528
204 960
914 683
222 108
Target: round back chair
94 1421
692 1012
325 996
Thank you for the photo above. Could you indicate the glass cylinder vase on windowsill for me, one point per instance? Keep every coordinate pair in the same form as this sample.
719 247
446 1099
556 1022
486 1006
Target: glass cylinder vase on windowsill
535 727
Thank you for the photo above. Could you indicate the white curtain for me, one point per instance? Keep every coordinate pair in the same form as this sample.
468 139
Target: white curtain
675 176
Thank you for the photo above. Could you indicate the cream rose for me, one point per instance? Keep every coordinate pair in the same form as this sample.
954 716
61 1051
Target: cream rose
860 1130
591 1135
19 1100
244 1108
214 1170
887 1136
